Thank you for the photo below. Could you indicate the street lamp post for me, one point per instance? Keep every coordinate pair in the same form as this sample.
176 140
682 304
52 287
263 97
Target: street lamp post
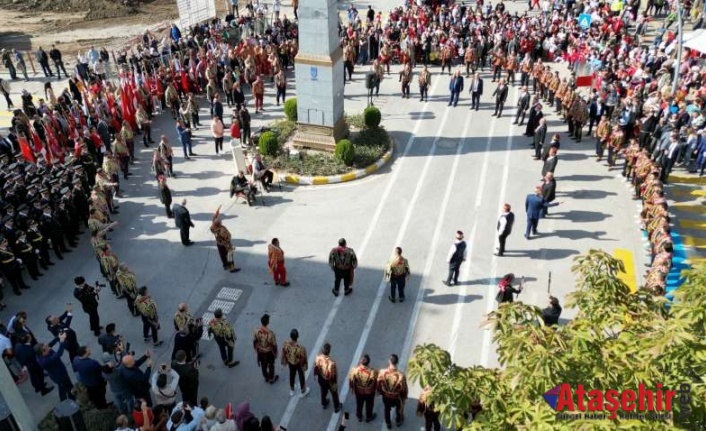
680 38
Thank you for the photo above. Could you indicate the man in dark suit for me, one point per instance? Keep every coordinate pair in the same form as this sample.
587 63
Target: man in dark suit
51 363
595 110
476 91
540 135
500 94
182 218
534 203
535 115
504 228
188 377
669 158
25 355
455 87
522 106
548 191
550 163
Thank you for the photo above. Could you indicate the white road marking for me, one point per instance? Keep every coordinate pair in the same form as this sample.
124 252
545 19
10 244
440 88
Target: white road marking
292 405
490 301
456 325
333 423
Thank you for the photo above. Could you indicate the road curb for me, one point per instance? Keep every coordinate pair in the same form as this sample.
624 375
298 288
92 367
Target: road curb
343 178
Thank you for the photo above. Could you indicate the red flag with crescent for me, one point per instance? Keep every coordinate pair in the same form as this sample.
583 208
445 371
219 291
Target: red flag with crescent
26 150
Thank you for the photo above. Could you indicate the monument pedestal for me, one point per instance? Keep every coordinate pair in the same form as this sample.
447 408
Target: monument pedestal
323 138
318 68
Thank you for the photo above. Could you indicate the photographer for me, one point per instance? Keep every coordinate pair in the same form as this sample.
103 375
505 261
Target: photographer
109 339
163 385
62 325
185 418
87 295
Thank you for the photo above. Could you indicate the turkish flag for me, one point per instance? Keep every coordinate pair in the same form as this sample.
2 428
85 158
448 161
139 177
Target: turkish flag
584 81
26 150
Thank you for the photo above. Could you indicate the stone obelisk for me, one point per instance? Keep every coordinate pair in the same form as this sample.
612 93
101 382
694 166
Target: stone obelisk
319 77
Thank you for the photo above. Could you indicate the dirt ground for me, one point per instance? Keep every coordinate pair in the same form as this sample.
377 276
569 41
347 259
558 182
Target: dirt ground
77 24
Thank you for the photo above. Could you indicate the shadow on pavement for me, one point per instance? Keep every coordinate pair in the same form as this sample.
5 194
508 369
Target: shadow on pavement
581 216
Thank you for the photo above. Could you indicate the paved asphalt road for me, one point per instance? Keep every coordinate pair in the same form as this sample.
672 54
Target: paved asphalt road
453 169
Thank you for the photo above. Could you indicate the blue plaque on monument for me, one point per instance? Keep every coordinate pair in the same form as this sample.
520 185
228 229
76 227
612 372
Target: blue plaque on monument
314 73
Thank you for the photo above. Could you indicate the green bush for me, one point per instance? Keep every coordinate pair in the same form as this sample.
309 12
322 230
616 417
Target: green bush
377 137
372 117
283 128
290 109
345 151
269 144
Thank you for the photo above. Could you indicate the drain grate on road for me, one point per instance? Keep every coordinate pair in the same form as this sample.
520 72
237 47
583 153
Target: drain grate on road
226 306
226 299
447 143
229 294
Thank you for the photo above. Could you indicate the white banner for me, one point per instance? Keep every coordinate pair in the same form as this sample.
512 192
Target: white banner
195 11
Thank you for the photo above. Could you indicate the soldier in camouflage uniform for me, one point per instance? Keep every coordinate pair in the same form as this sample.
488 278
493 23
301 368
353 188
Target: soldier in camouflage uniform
110 263
147 308
294 357
265 345
579 117
127 285
222 331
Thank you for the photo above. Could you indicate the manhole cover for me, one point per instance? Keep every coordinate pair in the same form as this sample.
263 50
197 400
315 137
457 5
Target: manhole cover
447 143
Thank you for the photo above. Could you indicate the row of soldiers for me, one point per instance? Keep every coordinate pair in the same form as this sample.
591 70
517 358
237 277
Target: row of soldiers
639 167
644 174
560 93
43 208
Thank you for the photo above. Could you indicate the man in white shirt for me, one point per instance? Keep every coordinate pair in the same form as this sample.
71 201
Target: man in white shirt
504 228
457 255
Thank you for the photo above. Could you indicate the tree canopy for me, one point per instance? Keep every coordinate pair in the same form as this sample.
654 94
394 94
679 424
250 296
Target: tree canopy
618 340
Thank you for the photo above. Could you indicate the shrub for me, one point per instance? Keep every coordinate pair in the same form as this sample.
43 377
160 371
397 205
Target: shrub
345 151
283 128
269 144
372 117
377 137
290 109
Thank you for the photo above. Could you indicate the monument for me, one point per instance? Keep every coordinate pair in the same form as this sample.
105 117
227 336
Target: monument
319 75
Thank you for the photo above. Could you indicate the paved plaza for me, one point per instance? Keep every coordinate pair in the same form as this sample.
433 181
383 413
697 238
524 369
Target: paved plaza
453 168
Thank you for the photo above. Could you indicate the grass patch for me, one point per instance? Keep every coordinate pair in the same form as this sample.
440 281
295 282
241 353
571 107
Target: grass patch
356 121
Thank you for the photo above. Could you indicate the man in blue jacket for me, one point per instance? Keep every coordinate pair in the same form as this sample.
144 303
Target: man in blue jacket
51 363
184 135
24 353
534 204
88 371
455 87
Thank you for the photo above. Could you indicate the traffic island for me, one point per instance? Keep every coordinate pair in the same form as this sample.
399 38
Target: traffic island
367 148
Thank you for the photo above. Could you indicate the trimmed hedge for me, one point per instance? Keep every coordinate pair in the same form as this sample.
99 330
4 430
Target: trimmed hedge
372 117
345 152
269 144
290 109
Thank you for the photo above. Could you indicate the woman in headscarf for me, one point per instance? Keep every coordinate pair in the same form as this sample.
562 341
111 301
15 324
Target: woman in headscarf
505 289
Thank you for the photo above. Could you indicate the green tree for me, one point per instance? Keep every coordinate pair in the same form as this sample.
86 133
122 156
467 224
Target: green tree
617 340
